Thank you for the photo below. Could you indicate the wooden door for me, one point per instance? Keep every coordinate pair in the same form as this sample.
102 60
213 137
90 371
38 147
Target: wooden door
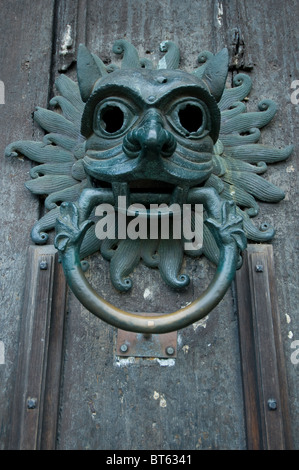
215 393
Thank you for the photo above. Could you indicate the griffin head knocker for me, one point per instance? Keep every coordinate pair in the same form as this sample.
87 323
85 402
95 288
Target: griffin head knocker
150 136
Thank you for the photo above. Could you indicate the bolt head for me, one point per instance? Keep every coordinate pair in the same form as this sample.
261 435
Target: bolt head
124 348
259 268
170 351
272 404
31 403
43 265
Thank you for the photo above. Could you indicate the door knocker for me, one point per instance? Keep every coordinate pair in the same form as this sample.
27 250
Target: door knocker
151 135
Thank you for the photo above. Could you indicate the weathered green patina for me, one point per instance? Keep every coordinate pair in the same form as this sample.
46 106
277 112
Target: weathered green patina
154 135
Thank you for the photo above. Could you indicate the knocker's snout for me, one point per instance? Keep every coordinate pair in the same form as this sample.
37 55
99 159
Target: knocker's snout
149 140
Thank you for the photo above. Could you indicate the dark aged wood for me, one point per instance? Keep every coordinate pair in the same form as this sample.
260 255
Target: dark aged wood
263 366
196 401
248 360
25 58
36 394
54 359
70 31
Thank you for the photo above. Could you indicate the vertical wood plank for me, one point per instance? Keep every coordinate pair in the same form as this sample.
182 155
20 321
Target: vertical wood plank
70 31
25 58
248 359
35 407
281 363
54 362
264 380
270 34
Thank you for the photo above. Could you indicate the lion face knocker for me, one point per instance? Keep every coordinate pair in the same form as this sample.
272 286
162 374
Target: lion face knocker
150 136
150 126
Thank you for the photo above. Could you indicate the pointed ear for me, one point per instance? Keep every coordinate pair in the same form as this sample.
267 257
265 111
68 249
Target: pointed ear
215 73
89 69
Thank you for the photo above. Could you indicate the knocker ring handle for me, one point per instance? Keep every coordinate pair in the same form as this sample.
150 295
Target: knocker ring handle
228 234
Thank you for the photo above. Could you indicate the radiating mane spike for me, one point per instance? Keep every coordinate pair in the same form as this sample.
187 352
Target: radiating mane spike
202 59
171 60
130 55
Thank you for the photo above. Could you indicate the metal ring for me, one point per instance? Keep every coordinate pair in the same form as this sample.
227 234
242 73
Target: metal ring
229 235
164 323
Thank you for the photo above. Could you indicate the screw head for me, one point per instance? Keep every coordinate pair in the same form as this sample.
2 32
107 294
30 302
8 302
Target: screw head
31 403
259 268
272 404
170 351
43 265
124 348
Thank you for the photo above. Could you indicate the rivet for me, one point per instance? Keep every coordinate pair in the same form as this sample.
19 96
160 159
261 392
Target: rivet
170 351
259 268
43 265
124 348
31 403
272 404
151 98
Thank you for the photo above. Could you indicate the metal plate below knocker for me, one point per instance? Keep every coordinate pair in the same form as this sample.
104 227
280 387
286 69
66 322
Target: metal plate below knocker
129 344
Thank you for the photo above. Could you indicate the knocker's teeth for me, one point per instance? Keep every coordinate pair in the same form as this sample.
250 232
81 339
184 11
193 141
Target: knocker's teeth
121 190
147 193
179 195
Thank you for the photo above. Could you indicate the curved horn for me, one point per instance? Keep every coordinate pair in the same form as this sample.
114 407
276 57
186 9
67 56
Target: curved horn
215 73
89 69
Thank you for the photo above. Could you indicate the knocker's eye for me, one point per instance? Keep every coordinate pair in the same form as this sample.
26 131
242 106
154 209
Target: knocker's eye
190 118
112 118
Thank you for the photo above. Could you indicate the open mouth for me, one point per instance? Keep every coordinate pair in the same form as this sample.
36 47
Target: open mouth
151 186
154 187
144 191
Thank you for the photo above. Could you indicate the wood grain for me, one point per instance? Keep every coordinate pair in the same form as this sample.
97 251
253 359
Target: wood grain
25 58
36 394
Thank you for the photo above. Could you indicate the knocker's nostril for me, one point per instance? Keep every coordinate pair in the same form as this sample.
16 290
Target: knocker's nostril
131 145
169 145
